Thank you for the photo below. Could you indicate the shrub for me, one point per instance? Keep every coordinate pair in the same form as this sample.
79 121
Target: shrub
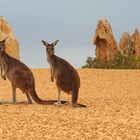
120 62
89 63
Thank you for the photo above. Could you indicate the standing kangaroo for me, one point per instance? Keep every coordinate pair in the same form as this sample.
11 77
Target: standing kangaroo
67 78
20 77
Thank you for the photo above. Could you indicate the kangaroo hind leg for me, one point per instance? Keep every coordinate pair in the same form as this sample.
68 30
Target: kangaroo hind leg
13 101
58 103
28 98
13 95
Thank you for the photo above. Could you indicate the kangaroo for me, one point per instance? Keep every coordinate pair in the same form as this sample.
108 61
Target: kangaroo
20 77
67 78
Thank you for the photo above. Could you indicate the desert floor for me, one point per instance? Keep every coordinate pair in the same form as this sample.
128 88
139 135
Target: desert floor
112 113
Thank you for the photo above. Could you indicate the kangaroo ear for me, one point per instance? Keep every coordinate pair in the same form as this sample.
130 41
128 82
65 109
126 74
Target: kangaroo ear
44 42
55 42
4 40
2 44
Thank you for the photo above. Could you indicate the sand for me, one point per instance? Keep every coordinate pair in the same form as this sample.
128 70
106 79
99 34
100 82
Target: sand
113 109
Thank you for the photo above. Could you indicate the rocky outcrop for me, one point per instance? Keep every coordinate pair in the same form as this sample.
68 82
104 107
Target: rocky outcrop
12 45
136 43
126 44
130 45
106 46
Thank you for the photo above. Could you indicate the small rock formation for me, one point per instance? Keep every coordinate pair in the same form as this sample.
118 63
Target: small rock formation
12 45
136 43
106 46
126 44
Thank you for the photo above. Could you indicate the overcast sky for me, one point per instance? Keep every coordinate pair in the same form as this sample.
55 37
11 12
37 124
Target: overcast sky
73 22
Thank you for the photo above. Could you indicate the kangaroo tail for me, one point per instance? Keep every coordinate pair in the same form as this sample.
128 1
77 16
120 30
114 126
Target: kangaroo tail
80 105
38 100
75 98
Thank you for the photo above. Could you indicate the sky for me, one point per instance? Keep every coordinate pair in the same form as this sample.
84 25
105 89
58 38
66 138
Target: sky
73 22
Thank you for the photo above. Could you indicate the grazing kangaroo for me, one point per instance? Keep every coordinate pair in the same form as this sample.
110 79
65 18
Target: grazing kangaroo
67 78
20 77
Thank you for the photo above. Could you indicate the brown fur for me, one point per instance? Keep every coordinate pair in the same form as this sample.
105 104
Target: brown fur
67 78
20 77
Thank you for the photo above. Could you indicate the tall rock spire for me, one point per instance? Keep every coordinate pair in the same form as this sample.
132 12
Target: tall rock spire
106 46
12 45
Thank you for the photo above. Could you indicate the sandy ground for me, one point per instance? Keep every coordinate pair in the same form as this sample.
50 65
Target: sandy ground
113 109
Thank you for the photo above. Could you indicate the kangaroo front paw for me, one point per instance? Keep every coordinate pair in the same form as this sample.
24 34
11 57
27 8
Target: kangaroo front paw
51 78
58 103
3 77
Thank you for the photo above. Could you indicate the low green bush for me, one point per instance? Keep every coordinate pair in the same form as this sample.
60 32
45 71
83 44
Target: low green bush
120 62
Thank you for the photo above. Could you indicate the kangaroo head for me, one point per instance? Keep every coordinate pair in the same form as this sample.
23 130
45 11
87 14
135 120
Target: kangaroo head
50 47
